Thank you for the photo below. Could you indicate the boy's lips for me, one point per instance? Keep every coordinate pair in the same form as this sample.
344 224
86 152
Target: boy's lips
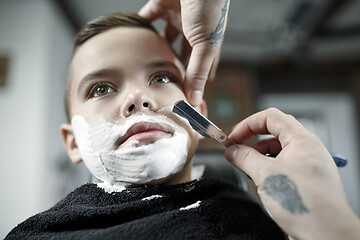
145 132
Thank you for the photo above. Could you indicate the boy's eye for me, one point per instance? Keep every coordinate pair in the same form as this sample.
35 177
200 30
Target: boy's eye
163 77
100 89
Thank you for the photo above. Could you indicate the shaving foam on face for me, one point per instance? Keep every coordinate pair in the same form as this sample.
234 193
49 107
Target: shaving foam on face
129 164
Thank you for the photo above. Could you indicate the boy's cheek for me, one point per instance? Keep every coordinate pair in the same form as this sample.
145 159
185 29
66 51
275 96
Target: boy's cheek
193 138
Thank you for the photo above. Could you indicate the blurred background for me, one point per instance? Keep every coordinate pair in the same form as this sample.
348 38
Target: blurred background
300 56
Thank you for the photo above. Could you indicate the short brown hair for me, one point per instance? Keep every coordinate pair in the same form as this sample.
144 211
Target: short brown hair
97 26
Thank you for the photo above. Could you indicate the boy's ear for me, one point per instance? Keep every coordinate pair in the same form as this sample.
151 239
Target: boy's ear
69 143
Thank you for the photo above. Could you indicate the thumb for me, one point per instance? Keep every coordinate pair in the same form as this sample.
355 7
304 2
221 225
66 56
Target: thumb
197 72
246 159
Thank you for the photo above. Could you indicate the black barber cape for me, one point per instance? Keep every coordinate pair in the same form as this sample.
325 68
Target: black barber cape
201 209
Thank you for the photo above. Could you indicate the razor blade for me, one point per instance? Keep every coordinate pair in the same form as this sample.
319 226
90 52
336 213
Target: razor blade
200 123
208 129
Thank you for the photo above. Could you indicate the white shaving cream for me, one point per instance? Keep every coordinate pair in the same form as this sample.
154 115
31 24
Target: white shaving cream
151 197
129 163
191 206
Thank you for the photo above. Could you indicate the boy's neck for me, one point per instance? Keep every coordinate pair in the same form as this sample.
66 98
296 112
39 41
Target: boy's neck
183 176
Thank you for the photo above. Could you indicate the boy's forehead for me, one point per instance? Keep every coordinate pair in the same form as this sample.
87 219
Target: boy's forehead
133 41
122 45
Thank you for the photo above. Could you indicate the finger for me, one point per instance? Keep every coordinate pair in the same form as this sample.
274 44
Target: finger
150 11
271 121
214 65
270 146
247 160
197 72
170 33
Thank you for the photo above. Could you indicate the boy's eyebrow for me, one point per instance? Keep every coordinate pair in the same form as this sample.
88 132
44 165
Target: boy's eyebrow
96 74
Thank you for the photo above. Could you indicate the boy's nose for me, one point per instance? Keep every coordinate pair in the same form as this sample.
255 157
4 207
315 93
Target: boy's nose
137 102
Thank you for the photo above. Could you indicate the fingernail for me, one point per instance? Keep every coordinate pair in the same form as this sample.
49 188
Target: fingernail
231 152
196 97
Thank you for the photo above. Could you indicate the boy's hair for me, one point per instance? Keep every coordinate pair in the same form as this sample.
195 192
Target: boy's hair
97 26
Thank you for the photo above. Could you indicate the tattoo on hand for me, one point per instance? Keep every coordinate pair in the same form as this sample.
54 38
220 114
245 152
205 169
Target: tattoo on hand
285 192
216 36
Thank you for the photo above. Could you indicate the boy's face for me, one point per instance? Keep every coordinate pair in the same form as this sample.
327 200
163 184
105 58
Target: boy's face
125 80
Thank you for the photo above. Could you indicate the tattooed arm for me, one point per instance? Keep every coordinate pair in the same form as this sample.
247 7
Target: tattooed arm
301 186
203 23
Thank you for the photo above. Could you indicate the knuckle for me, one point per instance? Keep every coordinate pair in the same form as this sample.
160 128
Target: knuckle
199 77
315 139
198 80
308 139
272 111
290 116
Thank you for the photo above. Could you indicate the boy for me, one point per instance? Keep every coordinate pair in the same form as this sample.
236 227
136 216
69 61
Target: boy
123 80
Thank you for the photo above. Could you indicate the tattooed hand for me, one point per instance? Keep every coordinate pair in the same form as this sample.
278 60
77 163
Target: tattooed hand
203 24
301 186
